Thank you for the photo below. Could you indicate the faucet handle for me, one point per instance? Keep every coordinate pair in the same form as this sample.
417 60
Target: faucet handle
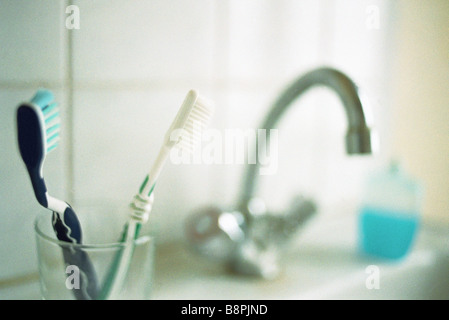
214 232
248 248
279 227
300 212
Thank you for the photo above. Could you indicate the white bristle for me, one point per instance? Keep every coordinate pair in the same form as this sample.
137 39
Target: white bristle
52 135
186 147
52 119
195 125
53 141
184 133
51 113
51 144
200 113
193 117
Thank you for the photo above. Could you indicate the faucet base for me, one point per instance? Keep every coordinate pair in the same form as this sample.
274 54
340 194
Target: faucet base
251 261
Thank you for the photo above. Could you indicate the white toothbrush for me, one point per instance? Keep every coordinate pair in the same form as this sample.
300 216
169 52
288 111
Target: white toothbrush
184 133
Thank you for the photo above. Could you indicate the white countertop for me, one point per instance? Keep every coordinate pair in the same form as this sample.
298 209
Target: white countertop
321 263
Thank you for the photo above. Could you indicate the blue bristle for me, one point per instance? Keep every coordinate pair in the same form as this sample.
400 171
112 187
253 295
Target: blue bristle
52 147
52 129
52 117
42 98
49 108
51 138
52 142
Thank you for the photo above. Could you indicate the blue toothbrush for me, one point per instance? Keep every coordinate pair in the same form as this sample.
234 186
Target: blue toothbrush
38 129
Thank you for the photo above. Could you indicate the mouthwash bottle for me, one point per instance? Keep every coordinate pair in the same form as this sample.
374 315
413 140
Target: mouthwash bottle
390 213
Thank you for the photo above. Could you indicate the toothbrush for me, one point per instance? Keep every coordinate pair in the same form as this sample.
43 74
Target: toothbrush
38 127
184 133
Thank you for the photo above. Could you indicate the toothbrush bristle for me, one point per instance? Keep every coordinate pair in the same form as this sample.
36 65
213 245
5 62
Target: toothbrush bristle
50 111
52 126
197 121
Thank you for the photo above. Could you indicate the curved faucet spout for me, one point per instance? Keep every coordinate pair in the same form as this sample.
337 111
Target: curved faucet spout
358 136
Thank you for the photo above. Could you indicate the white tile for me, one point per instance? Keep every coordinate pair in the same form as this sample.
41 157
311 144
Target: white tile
32 34
144 40
273 39
360 37
18 206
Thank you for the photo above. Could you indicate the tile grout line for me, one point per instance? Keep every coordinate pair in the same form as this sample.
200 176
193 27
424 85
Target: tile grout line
221 84
69 184
18 280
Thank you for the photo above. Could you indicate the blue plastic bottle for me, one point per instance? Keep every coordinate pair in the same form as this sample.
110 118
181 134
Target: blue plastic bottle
390 214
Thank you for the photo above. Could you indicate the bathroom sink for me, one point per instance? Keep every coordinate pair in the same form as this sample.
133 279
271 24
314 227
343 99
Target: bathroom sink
324 264
424 276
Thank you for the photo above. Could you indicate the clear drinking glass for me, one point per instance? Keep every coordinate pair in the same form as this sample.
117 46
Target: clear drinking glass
83 271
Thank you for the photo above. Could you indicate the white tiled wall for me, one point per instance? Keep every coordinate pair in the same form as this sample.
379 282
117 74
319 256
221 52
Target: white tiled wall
32 55
133 62
32 38
144 40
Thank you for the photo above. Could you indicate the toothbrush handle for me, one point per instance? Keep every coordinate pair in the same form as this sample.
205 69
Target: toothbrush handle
68 229
150 180
38 183
140 210
120 265
88 286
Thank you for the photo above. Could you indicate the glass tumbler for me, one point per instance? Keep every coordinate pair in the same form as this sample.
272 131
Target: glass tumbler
70 271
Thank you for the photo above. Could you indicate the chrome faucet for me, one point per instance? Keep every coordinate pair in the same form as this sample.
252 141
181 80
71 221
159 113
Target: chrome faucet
249 239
